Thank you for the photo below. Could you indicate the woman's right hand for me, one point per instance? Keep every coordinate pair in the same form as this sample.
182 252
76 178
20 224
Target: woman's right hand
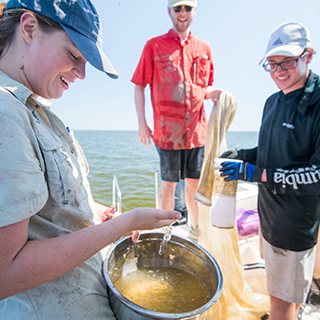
150 218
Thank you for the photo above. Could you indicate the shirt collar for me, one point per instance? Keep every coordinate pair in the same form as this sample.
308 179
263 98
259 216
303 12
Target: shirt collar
21 92
308 92
301 98
174 35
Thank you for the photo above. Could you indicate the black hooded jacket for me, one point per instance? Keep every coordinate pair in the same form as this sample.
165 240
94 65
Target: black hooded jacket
289 149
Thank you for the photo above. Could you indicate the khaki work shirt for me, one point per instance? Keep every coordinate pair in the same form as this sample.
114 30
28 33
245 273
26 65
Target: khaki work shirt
43 176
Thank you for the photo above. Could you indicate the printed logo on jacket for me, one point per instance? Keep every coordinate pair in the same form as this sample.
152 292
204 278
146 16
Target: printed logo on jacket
296 177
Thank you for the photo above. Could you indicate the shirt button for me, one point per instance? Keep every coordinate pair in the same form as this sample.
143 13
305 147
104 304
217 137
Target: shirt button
68 191
72 150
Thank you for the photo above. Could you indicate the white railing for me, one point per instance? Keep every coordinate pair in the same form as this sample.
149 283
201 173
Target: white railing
156 183
116 195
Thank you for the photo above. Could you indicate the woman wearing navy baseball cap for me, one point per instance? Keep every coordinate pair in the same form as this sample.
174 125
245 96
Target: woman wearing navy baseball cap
51 233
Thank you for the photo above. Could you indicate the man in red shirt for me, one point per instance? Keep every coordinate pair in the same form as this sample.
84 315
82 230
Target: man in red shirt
179 70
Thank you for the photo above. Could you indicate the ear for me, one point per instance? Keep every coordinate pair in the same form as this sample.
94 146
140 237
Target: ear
310 55
169 12
28 26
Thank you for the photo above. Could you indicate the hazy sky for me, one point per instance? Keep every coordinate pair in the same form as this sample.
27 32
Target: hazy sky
238 32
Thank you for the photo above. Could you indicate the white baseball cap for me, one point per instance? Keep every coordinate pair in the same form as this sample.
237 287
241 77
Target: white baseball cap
175 3
289 39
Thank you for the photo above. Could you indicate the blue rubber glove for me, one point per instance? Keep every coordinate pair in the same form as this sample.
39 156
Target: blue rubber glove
239 171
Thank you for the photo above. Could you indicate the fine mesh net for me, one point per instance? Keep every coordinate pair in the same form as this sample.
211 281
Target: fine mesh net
238 300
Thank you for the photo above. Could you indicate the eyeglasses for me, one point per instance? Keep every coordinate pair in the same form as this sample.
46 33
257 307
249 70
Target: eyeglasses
285 65
178 8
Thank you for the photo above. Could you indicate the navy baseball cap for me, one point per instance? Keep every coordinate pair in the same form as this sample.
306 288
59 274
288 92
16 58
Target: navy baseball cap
80 19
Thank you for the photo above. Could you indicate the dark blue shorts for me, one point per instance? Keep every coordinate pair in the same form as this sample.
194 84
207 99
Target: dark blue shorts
180 164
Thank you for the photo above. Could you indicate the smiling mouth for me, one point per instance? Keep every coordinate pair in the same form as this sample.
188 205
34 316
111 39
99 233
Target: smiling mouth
66 81
282 78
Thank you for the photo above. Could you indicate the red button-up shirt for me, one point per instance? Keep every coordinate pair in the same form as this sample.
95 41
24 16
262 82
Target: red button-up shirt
178 76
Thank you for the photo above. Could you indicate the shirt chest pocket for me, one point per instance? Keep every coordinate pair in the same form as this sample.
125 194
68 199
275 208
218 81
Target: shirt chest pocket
201 71
167 70
62 176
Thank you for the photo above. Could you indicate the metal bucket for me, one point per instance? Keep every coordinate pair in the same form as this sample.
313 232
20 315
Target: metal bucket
182 254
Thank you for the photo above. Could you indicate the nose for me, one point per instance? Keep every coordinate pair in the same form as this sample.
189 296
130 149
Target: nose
183 9
80 70
279 69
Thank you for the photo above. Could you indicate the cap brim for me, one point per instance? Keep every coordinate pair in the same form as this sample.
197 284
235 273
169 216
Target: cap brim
287 51
184 3
92 52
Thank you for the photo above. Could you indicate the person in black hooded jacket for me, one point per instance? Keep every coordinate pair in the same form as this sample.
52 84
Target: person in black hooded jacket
286 166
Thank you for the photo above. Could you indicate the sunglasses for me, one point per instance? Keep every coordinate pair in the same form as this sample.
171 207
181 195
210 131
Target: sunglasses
178 8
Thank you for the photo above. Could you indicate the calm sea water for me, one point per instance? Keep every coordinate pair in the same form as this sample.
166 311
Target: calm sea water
120 153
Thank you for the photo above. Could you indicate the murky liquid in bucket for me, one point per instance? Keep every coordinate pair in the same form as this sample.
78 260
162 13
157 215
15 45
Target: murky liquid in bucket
162 289
166 237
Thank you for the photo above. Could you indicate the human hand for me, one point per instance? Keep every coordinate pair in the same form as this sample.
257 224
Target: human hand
144 135
135 236
213 94
238 171
149 218
109 213
230 154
